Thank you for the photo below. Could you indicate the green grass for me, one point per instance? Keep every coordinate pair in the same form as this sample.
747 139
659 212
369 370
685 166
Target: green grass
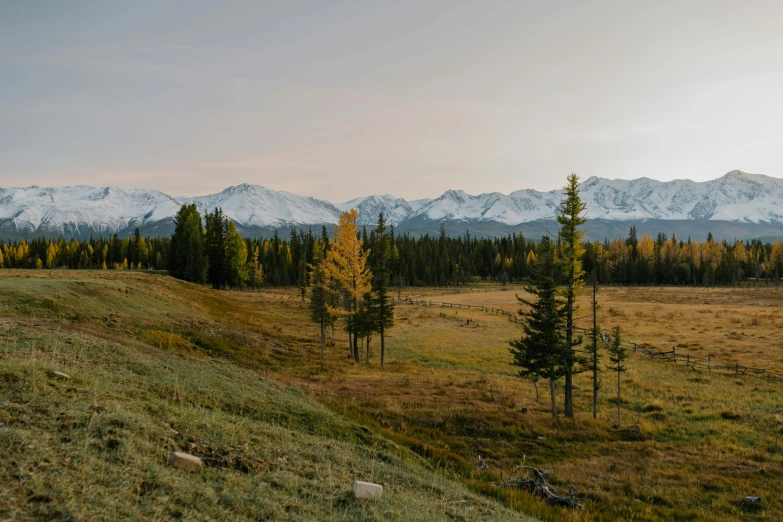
146 380
446 395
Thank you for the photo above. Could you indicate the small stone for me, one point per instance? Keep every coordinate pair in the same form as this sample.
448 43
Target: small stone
63 375
367 490
185 461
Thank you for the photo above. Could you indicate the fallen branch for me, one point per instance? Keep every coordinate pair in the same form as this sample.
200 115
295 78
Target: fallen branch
538 485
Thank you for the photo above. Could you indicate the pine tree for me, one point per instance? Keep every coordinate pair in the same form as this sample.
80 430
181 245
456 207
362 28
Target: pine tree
381 301
321 292
541 351
346 264
618 355
216 248
187 255
569 217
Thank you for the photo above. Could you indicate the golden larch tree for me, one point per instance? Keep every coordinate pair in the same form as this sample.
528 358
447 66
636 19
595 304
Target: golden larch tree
346 264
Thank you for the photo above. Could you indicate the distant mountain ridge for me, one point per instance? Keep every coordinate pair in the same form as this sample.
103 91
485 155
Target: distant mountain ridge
737 197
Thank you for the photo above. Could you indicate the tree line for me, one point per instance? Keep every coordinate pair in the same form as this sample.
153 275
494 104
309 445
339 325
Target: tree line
425 260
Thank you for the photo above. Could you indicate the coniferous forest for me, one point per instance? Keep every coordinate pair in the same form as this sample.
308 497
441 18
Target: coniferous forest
226 260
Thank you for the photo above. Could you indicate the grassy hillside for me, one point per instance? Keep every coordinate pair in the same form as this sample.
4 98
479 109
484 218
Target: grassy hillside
156 366
163 356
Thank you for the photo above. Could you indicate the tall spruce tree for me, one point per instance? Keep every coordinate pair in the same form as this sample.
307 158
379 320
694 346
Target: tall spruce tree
187 253
541 351
381 300
321 292
569 217
216 248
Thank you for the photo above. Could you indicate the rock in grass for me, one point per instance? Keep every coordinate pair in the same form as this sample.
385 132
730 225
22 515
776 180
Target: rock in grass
185 461
63 375
367 490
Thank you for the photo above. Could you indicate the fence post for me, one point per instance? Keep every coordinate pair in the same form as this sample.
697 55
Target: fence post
736 368
674 354
709 364
688 360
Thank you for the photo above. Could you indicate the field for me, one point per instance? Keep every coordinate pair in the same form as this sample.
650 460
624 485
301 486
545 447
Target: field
238 376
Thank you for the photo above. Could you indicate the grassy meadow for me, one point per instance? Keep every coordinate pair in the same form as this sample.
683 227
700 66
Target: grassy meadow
159 365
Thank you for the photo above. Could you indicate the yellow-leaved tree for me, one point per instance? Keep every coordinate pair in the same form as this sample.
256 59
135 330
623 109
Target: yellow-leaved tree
346 264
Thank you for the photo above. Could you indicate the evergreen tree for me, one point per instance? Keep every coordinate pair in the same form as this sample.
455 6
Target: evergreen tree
187 253
381 300
618 355
569 217
216 248
321 292
541 351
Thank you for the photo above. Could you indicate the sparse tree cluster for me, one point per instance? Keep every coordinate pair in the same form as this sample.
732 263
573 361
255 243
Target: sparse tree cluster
349 280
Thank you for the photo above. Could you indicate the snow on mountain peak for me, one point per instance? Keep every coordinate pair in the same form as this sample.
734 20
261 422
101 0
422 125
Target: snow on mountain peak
735 196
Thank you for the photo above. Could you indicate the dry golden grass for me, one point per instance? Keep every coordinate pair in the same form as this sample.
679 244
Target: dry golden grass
733 325
448 392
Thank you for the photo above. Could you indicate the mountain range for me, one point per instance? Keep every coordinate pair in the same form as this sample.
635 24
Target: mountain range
736 205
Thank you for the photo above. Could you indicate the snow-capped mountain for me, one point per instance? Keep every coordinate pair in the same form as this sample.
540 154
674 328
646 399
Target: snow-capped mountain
257 206
737 197
394 209
81 209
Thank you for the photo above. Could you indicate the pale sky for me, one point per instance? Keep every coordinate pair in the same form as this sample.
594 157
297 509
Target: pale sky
341 99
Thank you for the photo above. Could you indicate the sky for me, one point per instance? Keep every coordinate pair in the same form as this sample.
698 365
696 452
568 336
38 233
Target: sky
342 99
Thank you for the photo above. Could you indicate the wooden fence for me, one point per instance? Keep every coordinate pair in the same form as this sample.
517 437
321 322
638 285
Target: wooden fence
695 362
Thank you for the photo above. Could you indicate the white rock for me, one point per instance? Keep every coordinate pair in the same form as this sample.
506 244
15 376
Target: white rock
185 461
367 490
63 375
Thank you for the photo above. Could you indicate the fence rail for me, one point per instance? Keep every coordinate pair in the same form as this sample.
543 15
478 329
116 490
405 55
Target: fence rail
695 362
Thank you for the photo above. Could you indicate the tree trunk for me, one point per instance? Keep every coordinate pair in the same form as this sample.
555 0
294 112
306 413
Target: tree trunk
618 399
383 344
355 336
552 395
569 366
367 354
595 346
535 385
323 337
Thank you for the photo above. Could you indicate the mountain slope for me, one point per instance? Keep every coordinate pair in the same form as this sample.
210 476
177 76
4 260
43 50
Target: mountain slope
736 197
